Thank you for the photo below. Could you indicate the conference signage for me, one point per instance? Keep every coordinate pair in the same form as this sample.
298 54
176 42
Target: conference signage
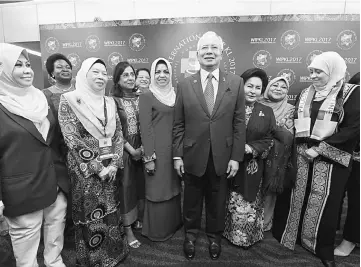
281 45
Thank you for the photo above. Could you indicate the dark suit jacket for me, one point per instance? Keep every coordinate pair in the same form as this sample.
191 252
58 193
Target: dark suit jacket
259 134
195 131
30 168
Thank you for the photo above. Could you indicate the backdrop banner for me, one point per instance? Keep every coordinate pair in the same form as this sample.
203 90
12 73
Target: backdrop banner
281 45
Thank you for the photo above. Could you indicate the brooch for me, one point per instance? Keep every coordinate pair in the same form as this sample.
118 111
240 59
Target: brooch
78 101
261 114
195 81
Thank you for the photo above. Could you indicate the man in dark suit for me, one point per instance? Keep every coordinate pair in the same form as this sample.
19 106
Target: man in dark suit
208 142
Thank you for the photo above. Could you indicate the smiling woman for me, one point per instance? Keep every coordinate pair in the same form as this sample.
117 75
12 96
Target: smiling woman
59 69
244 222
132 184
93 134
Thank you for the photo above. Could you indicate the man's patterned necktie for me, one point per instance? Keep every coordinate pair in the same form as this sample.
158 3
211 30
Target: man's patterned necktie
209 93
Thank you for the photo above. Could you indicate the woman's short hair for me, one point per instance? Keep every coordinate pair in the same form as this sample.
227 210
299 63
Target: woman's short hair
256 72
141 69
51 60
118 71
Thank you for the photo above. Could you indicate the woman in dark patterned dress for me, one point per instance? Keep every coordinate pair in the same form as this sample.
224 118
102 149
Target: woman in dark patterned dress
93 134
280 161
132 186
351 230
327 128
244 221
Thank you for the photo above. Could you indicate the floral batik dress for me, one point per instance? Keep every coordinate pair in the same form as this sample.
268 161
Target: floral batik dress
244 220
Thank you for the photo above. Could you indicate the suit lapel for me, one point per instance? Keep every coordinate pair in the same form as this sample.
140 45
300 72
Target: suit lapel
26 124
197 87
222 86
52 122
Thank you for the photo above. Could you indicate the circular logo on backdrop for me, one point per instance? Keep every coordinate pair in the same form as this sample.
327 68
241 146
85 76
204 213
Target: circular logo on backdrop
137 42
346 39
262 59
92 43
114 58
184 61
312 55
74 60
52 45
289 74
290 39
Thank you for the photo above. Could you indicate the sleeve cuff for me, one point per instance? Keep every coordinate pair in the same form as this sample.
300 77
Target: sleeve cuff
334 153
177 158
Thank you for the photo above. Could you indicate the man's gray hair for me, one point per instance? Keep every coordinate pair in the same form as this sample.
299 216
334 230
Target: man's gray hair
210 33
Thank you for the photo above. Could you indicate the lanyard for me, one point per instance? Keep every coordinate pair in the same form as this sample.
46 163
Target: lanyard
104 124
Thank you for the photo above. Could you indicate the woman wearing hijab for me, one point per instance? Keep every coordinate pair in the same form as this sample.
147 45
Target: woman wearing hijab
162 213
132 184
33 175
351 229
244 220
327 127
93 134
279 161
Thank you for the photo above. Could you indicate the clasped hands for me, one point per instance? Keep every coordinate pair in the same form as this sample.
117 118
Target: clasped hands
248 149
150 167
109 173
137 154
310 154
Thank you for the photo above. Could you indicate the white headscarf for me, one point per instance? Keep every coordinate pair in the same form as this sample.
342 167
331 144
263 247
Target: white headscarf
88 104
165 95
27 102
334 66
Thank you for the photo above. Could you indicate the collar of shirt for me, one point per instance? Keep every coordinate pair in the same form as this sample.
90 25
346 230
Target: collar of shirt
204 75
204 79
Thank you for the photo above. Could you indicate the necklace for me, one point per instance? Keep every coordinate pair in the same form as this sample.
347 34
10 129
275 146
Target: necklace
63 90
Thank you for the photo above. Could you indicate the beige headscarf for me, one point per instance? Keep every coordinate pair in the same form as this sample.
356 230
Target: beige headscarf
165 95
334 66
280 108
27 102
88 104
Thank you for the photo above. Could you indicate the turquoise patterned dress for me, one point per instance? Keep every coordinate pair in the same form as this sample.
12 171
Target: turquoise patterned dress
99 235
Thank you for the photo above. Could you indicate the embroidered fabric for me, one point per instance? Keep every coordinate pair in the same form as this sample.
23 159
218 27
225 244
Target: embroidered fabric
334 154
248 114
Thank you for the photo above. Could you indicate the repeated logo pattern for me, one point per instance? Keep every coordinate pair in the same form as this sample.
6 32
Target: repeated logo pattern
287 50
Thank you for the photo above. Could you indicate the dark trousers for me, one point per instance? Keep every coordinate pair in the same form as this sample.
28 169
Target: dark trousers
214 189
351 230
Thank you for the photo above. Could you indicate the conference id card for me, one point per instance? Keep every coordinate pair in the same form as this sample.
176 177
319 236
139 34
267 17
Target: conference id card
106 150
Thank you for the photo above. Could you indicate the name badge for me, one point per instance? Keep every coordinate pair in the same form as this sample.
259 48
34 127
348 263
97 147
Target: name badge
106 150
